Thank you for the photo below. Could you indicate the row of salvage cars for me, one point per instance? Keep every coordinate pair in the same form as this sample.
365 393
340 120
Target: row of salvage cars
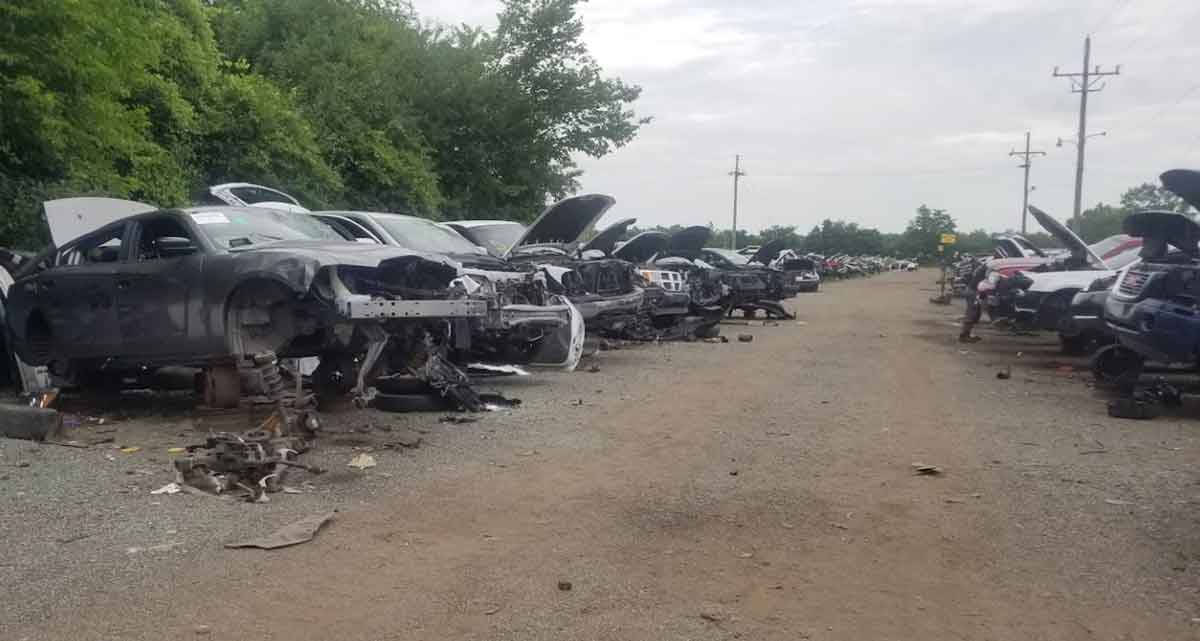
1129 299
352 299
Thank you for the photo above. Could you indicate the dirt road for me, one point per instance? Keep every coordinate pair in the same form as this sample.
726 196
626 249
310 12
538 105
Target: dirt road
756 491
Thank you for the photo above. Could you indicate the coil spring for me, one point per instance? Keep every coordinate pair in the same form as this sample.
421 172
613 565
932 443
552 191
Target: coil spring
268 369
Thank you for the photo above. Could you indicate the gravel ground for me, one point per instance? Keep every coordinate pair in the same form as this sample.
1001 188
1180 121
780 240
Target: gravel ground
758 490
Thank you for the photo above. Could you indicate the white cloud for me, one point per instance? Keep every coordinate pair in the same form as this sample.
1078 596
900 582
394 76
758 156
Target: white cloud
865 110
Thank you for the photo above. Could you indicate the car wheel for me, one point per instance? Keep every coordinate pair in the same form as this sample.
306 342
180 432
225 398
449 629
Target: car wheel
1118 366
402 385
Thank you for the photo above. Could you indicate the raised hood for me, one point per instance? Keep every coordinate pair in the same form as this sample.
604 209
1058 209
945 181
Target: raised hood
1079 249
689 241
70 218
607 239
767 252
641 248
562 223
1184 183
1158 229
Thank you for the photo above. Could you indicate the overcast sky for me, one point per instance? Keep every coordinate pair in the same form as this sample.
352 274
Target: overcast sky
865 109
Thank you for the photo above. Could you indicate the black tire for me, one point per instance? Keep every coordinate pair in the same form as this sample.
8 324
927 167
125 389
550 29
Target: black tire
402 385
410 403
1118 366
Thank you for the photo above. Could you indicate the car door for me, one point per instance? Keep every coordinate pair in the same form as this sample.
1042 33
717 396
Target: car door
77 296
155 286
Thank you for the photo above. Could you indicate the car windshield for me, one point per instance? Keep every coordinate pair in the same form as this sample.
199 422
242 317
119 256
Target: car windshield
238 227
497 238
730 255
423 235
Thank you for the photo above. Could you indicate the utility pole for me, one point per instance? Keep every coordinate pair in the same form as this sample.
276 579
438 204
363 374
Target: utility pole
1084 83
736 173
1028 156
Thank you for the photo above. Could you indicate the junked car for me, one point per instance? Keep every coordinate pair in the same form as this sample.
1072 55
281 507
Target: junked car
799 272
1152 309
213 286
527 323
605 290
999 288
1043 299
248 195
745 287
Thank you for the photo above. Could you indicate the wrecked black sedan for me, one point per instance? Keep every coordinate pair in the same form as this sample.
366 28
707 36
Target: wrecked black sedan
209 287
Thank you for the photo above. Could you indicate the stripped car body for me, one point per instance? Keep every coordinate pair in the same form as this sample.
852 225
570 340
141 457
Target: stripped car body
606 291
526 323
748 288
211 286
800 273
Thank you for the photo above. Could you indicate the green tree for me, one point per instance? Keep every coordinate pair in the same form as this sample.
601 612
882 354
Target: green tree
923 234
785 233
126 99
975 242
566 105
1152 196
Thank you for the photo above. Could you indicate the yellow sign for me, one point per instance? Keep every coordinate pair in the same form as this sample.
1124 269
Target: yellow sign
949 239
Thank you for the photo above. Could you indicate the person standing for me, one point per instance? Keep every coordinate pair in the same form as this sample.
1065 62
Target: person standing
974 305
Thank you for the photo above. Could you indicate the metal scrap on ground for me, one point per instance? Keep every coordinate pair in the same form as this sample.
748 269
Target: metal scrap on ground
295 533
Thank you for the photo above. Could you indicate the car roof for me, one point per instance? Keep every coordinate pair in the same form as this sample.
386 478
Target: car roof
481 223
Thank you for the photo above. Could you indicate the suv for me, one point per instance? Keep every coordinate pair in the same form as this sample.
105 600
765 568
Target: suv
1152 310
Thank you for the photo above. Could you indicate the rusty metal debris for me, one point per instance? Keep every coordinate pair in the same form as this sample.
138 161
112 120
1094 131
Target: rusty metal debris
255 461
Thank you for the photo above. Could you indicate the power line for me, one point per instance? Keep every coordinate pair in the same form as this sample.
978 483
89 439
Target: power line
1084 83
1028 156
737 174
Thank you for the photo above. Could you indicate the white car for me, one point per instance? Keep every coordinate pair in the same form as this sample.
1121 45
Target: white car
1046 298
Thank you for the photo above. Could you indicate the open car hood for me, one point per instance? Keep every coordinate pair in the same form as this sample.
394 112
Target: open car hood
643 247
689 241
70 218
562 223
767 252
1184 183
1075 244
607 239
1160 229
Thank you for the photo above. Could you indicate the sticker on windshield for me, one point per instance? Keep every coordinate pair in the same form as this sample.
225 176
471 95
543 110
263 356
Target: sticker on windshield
210 218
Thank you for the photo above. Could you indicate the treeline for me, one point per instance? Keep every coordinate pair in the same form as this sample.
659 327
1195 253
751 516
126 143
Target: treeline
922 235
344 103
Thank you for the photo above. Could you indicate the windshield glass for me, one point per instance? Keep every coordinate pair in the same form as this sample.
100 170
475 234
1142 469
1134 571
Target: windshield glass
234 228
423 235
730 255
497 238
